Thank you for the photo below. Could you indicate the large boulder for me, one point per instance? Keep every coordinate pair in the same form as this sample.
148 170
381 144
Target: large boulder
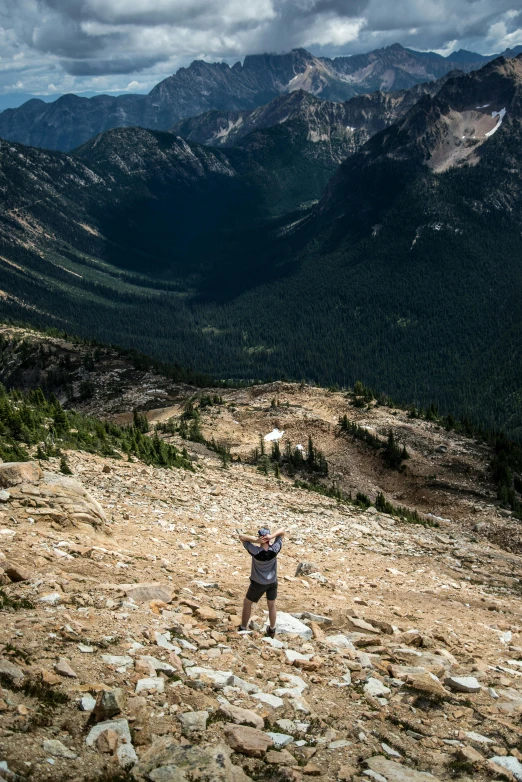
14 473
61 499
79 505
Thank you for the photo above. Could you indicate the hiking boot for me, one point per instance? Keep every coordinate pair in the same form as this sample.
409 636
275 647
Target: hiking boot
269 632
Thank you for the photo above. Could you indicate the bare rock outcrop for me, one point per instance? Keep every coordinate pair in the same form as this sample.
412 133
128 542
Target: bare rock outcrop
50 496
14 473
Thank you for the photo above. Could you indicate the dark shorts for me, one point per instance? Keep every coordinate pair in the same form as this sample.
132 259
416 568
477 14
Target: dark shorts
256 591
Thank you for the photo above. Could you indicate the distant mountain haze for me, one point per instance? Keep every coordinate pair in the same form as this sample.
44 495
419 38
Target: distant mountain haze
71 120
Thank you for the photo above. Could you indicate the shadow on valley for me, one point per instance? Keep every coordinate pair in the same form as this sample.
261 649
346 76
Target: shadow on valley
173 231
214 244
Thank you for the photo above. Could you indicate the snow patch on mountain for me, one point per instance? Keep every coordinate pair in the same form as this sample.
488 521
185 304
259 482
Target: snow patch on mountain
500 114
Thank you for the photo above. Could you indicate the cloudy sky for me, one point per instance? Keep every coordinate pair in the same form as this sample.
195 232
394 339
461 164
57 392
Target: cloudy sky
56 46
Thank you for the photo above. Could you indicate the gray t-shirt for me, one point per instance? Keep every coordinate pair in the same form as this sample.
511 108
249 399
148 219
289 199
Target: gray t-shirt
264 563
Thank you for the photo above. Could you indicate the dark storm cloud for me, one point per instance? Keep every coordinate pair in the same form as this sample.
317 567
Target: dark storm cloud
99 67
64 38
96 38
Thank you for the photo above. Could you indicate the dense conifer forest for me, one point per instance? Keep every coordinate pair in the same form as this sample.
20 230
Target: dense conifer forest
405 278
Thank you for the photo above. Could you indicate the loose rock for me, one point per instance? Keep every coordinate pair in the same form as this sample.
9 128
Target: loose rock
167 761
63 668
286 623
427 683
247 741
17 573
281 758
109 703
242 716
10 670
510 763
120 726
193 721
305 568
395 772
376 688
108 741
462 683
58 750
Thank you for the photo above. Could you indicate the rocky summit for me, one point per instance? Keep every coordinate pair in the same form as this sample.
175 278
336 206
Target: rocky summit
398 651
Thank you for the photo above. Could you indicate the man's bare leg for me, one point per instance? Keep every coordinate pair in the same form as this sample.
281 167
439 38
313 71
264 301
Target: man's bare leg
247 610
272 613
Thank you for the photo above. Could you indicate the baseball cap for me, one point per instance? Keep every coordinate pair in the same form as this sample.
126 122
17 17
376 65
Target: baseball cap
263 531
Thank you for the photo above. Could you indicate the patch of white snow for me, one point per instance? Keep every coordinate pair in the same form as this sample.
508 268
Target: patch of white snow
275 434
500 114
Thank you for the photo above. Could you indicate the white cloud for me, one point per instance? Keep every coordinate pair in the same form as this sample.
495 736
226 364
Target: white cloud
109 44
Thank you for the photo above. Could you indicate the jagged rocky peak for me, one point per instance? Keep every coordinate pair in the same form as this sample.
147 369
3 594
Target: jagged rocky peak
71 121
450 127
472 119
321 119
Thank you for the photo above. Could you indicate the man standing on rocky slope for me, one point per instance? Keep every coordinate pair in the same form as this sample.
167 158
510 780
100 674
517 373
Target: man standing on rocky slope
263 576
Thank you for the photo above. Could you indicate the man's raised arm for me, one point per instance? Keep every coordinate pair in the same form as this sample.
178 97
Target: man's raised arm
279 533
247 538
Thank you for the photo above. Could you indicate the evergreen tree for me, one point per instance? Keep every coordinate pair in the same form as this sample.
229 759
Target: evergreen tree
64 466
40 453
140 421
393 454
310 453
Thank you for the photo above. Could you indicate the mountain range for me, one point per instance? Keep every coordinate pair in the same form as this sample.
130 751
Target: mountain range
350 123
70 120
404 273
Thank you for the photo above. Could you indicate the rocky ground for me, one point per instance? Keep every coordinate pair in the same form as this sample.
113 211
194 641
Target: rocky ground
398 655
405 657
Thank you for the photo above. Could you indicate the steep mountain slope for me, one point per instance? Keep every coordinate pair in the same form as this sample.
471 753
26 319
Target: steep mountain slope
420 236
457 126
70 120
142 201
347 125
202 86
133 198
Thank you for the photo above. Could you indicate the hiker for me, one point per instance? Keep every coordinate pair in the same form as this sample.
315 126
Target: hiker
263 576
